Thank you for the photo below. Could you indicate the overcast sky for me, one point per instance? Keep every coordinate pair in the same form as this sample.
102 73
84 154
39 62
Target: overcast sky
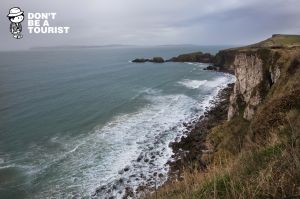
155 22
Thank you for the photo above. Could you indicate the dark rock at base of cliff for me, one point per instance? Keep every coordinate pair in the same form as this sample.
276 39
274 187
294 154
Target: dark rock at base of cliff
193 57
216 68
224 60
219 69
188 151
128 193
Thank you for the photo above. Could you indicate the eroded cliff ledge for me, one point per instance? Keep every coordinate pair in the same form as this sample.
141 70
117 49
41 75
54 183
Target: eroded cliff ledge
256 71
257 68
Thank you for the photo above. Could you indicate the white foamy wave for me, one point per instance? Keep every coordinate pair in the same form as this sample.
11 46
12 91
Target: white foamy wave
147 134
200 65
125 152
192 84
217 84
8 166
208 84
192 63
136 141
219 81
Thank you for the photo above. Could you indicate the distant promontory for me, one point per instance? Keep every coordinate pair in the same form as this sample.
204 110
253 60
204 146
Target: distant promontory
189 57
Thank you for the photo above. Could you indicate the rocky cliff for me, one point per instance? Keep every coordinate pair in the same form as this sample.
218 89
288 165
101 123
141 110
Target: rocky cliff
255 153
256 69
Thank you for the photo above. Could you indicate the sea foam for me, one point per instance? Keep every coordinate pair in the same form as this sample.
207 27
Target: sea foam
192 84
216 82
126 151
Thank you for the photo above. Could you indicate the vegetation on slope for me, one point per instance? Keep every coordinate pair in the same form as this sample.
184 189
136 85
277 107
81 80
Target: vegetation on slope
253 159
279 40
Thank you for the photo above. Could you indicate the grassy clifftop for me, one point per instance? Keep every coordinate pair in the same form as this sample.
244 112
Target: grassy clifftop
260 157
225 58
279 40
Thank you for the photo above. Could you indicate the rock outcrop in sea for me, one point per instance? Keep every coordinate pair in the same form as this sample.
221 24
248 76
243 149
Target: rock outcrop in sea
154 60
193 57
189 57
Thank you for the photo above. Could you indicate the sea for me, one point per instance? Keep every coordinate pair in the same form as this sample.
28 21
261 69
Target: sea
88 123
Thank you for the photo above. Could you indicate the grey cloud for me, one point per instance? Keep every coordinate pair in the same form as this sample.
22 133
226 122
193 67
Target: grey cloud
202 22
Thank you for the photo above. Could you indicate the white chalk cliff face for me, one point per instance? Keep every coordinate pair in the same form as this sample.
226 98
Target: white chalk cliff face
254 78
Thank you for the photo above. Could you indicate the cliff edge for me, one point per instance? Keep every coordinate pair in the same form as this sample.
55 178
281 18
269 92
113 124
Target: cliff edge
257 67
255 153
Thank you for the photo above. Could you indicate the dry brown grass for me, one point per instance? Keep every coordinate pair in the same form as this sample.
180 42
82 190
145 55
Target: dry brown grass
256 159
269 172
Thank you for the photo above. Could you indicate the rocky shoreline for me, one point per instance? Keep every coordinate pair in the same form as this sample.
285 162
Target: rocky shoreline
192 151
253 124
191 147
189 151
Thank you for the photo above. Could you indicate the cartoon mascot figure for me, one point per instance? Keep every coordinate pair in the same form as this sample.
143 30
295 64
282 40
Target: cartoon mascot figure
16 16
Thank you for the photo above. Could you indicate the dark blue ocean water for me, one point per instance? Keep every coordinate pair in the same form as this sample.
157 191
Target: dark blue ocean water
71 120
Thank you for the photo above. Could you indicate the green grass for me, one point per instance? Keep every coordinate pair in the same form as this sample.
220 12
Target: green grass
286 39
279 41
259 159
229 137
218 187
